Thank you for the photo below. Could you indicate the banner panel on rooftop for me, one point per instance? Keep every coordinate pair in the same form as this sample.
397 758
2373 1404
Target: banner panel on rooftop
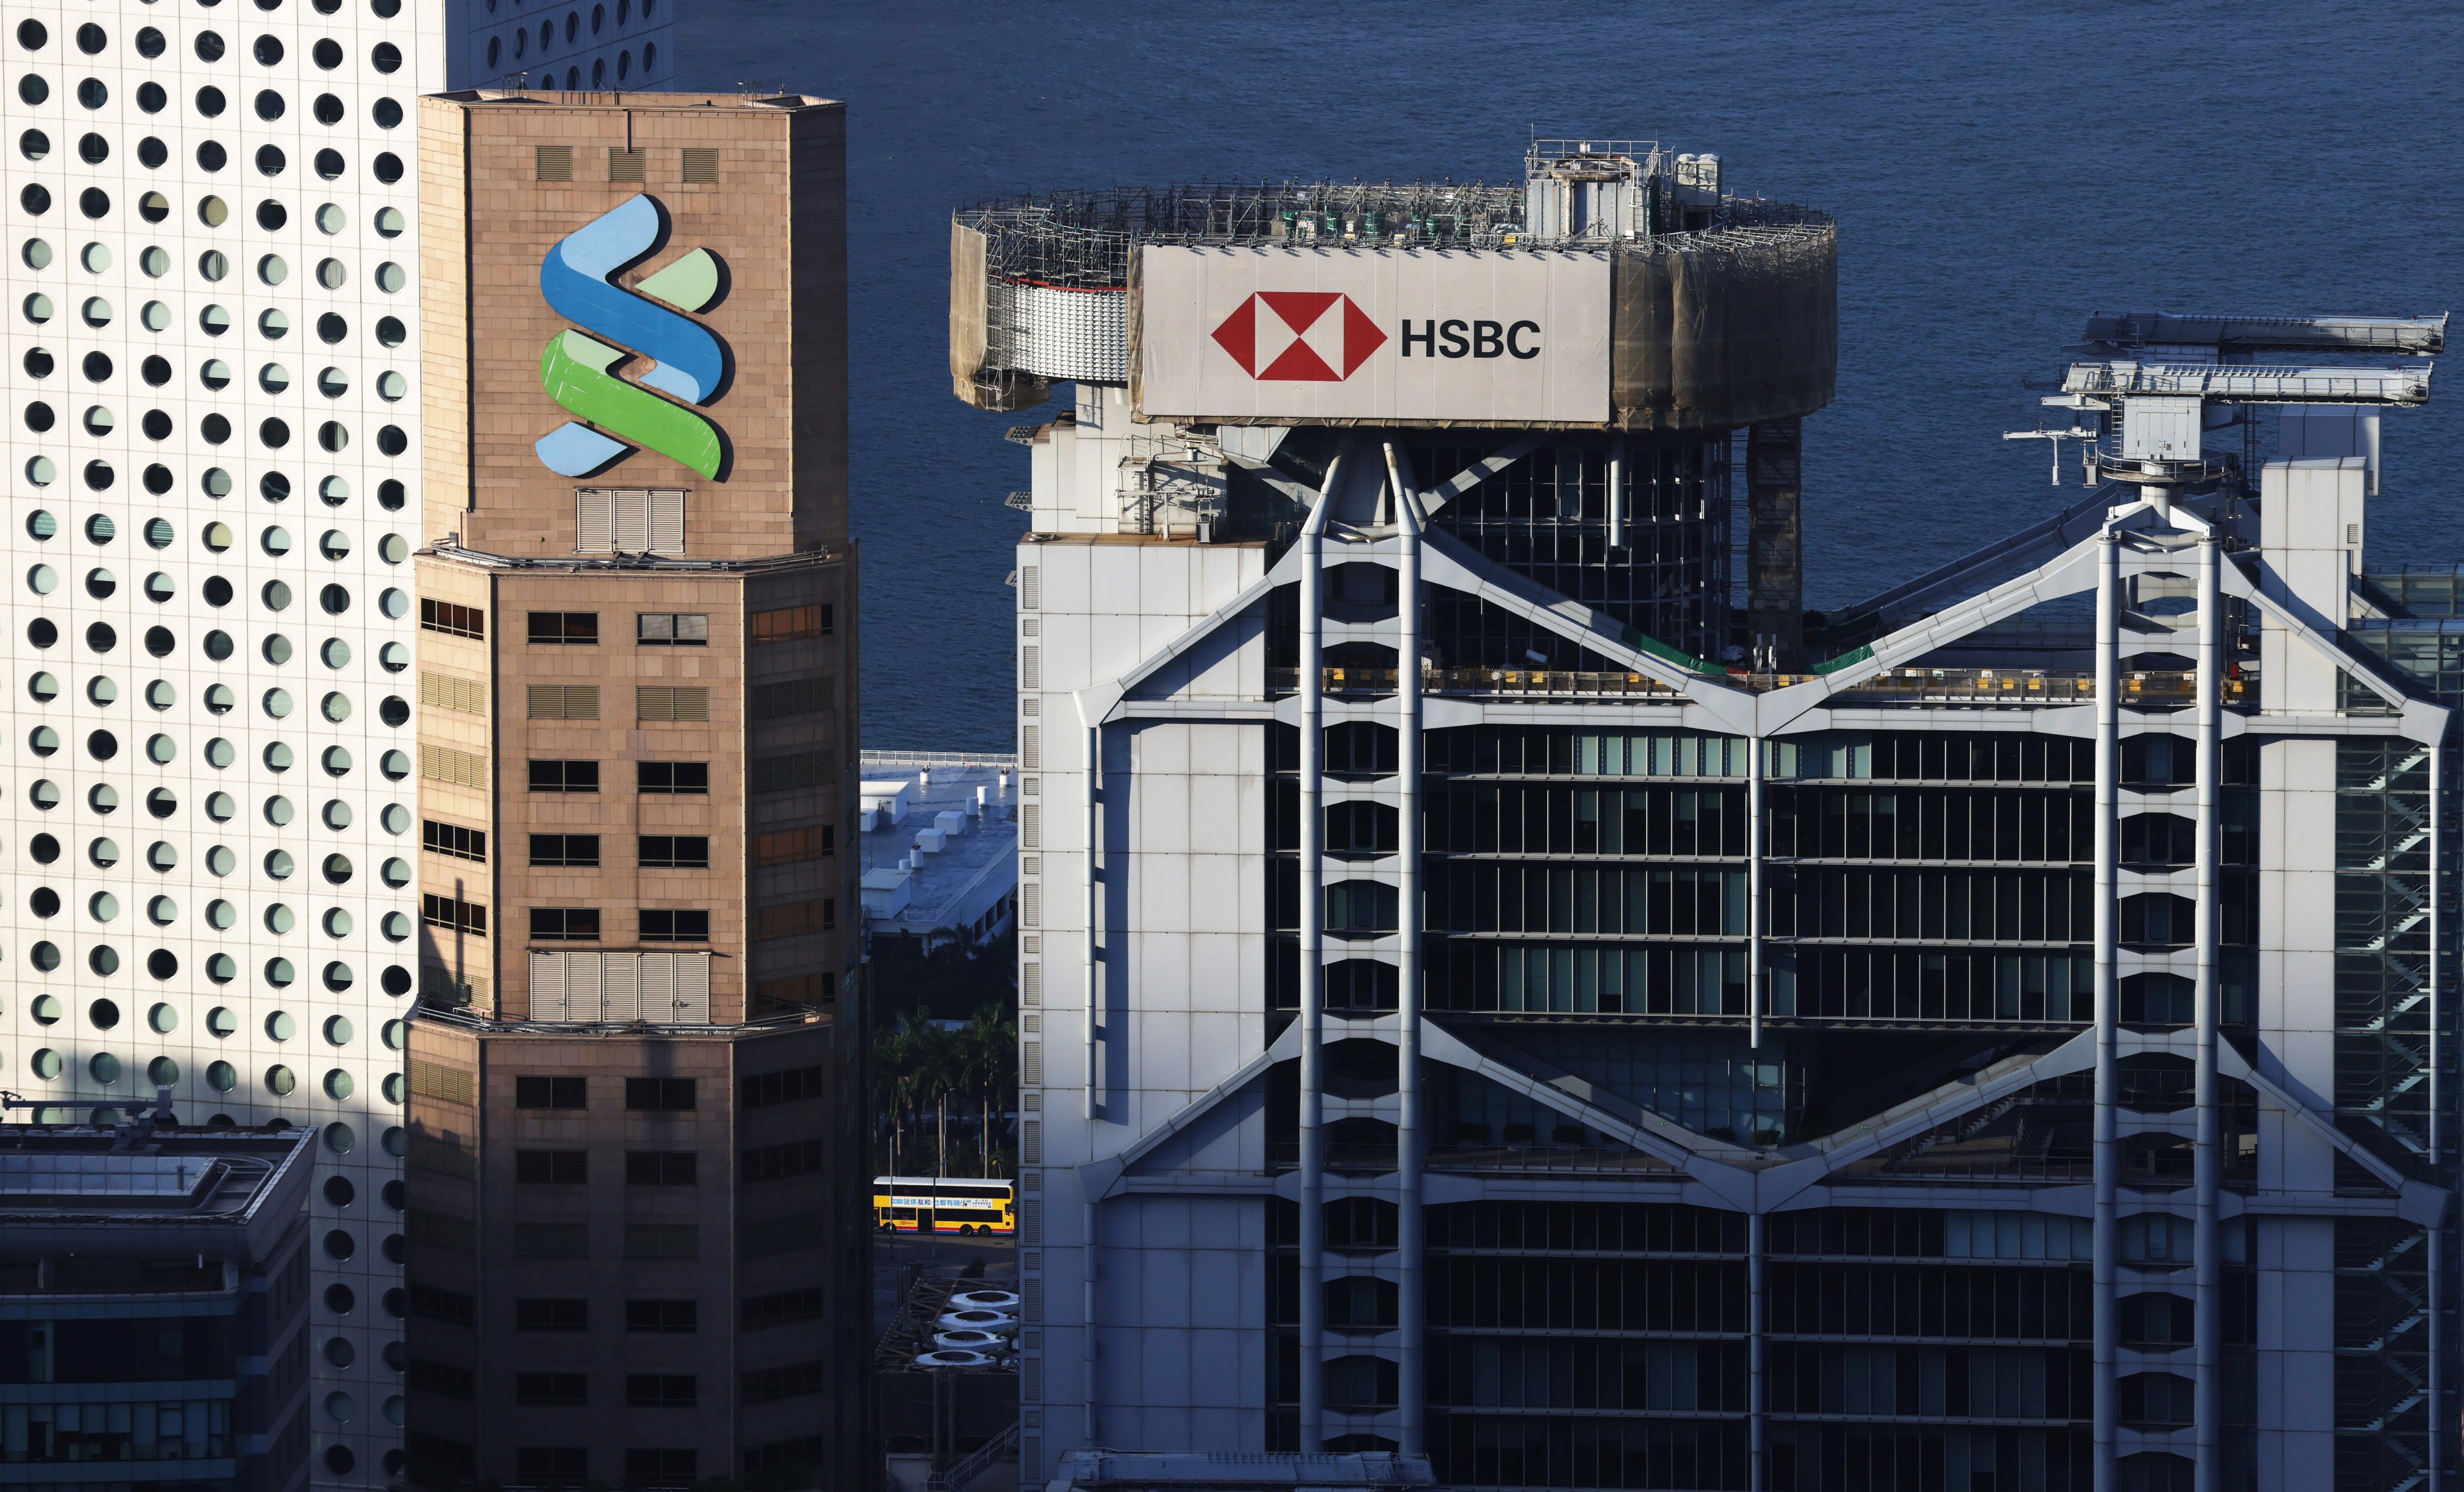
1275 332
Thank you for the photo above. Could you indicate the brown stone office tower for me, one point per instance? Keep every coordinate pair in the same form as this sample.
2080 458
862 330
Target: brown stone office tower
638 1233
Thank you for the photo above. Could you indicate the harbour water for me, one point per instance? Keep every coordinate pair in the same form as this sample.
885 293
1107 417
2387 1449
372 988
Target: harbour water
1998 172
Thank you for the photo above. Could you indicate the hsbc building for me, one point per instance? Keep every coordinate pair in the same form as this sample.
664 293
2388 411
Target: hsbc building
1508 998
1348 488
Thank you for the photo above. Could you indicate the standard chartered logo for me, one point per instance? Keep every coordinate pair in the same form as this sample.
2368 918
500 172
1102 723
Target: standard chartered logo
687 363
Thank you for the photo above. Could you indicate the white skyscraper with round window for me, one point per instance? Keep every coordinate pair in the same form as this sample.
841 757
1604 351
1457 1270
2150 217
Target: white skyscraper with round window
212 367
567 44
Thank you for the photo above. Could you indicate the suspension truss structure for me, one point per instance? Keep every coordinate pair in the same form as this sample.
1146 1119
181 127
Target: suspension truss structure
2119 542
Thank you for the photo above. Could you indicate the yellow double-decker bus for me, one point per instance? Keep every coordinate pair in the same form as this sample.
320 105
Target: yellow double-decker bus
968 1205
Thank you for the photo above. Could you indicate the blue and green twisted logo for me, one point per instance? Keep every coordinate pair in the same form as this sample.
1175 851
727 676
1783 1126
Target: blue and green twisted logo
576 369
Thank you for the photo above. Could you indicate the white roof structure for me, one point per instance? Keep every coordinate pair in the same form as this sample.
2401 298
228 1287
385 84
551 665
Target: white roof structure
940 838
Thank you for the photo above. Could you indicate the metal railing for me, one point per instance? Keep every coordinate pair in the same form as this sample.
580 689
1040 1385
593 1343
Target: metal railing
2022 688
961 1472
1481 682
2038 686
938 759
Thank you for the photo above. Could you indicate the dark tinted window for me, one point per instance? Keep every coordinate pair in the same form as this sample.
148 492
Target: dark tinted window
566 849
672 776
539 1314
531 1091
565 627
662 851
660 1093
552 1168
564 777
661 1168
662 1316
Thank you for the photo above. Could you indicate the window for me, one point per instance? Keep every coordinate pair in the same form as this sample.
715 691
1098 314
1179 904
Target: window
672 776
621 520
674 927
453 840
554 162
782 1309
796 1380
673 630
436 1305
445 764
552 1389
442 1378
796 1084
564 924
564 777
659 1391
448 691
661 1168
793 919
788 774
669 702
625 165
565 627
565 701
538 1313
793 624
443 616
777 1162
800 989
700 165
663 1316
561 1467
793 697
551 1092
551 1168
445 912
669 851
665 1094
566 849
787 847
659 1468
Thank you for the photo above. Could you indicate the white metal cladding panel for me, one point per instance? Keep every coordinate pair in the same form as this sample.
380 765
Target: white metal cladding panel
584 986
1249 333
1057 334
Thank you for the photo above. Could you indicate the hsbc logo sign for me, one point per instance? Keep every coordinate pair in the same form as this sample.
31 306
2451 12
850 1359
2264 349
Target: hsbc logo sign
1274 333
1299 337
1323 336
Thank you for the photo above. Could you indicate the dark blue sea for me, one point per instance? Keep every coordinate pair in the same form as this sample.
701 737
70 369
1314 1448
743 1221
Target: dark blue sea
1998 172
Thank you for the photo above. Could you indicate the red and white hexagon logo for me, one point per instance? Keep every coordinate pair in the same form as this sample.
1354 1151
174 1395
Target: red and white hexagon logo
1299 337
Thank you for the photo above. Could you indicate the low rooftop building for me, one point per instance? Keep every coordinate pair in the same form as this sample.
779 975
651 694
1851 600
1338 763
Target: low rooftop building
154 1306
939 836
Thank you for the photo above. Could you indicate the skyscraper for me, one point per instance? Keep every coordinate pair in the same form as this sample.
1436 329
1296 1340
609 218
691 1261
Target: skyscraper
1499 983
638 1223
213 371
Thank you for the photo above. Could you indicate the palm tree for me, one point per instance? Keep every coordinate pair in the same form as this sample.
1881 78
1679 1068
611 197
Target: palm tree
990 1064
910 1062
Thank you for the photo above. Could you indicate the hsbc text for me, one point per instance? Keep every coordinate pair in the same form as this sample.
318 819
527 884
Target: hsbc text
1487 339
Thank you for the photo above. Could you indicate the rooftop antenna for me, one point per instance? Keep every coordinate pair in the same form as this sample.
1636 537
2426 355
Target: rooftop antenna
129 1133
2080 433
